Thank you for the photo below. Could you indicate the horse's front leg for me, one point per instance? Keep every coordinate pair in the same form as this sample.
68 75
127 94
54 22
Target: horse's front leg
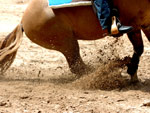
136 39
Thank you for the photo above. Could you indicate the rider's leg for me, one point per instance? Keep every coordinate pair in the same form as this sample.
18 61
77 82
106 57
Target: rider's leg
103 13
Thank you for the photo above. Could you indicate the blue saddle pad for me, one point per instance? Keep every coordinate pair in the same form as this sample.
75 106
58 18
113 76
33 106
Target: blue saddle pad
58 2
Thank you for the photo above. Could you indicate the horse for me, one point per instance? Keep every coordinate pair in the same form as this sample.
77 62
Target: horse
60 29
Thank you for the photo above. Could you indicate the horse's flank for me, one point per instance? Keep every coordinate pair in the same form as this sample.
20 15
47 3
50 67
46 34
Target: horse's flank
78 22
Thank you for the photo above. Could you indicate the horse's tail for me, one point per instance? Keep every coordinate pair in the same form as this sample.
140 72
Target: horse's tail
9 47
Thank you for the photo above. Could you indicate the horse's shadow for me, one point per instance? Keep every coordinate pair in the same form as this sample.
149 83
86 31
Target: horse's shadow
54 80
143 86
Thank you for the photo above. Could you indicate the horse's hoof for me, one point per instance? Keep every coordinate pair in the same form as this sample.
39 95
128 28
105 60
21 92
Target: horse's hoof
82 70
134 79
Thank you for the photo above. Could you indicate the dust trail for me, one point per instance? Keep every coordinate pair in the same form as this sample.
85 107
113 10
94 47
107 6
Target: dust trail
106 77
108 74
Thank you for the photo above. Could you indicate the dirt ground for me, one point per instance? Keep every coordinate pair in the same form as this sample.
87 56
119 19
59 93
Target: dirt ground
39 80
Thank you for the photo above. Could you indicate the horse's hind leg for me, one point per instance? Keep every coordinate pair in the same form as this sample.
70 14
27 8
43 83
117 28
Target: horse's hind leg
136 39
70 49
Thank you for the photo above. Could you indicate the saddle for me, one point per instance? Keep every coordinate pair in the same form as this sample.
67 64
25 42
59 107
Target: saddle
67 3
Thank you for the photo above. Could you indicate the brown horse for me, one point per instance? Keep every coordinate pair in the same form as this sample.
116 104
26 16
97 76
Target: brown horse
60 28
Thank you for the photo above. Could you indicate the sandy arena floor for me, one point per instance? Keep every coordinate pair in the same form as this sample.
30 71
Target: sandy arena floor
39 80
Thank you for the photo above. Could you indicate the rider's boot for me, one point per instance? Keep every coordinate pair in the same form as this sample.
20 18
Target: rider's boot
118 28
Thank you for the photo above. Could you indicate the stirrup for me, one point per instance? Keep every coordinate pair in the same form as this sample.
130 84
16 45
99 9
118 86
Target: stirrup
114 27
